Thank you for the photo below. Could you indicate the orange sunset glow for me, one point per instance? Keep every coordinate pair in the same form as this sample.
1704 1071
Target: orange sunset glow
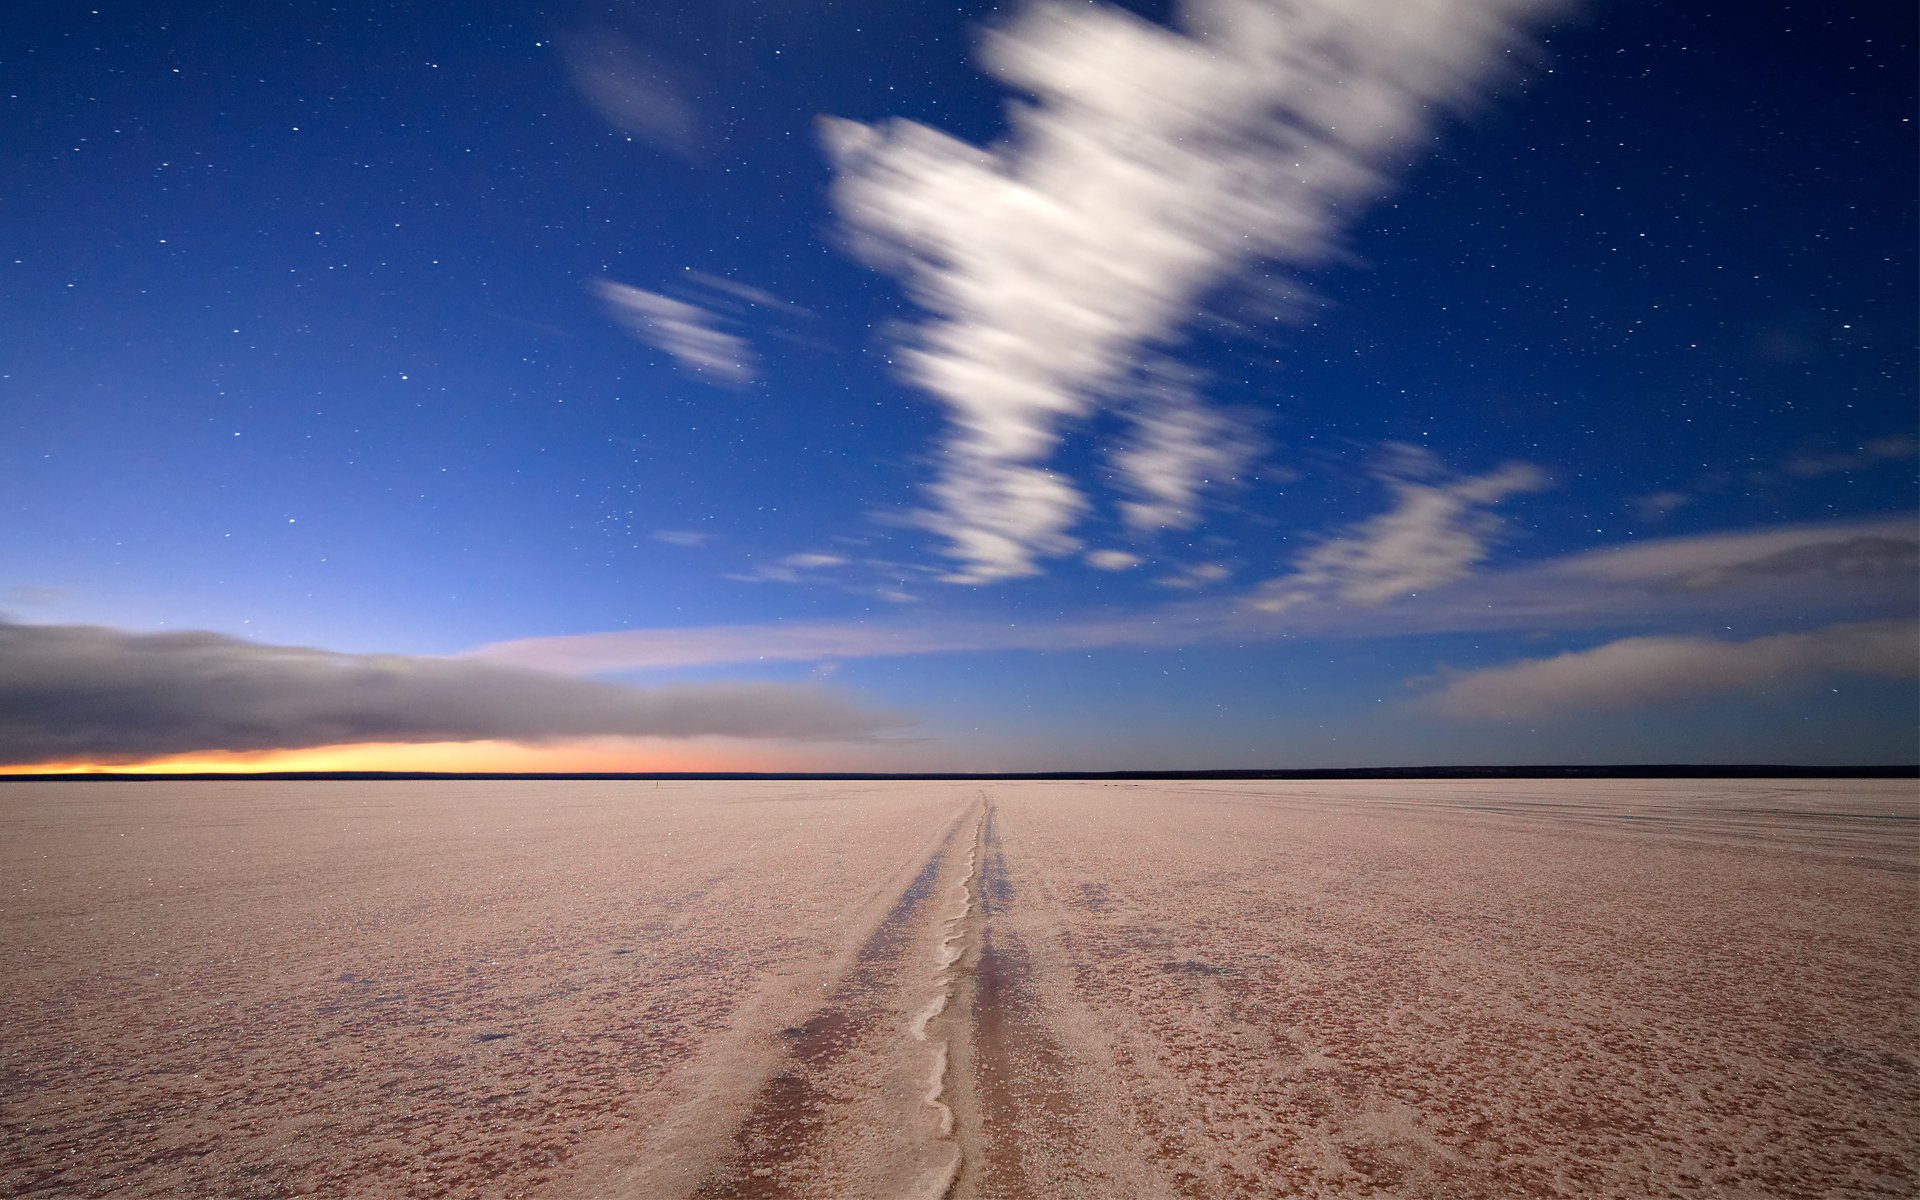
585 755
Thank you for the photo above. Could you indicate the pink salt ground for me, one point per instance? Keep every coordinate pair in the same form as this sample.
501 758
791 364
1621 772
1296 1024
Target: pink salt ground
598 989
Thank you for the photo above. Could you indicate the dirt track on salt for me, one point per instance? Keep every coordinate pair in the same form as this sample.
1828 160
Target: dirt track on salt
1514 989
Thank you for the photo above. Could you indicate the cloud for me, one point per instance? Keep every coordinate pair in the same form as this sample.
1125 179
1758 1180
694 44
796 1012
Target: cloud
1434 534
1179 448
1862 550
758 297
790 569
1620 587
1655 505
85 693
679 537
812 561
1149 167
1639 671
820 641
686 331
1863 557
34 595
1873 453
1198 575
1112 560
636 92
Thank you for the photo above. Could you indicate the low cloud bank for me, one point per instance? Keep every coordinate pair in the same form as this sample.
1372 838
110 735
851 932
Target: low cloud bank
1649 670
85 693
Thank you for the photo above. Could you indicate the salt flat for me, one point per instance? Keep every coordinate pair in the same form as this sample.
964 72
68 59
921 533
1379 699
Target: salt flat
1598 988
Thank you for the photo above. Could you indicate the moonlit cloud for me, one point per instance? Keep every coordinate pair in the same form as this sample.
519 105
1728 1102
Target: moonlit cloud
1869 454
34 595
1655 505
1867 557
792 568
1112 560
746 292
1623 587
84 693
1198 575
1149 167
822 641
1875 549
1635 672
686 331
635 91
1435 534
679 537
812 561
1180 448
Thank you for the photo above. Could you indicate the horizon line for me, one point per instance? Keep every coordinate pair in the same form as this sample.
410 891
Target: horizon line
1483 771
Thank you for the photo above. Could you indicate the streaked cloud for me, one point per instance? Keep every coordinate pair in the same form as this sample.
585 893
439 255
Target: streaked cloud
747 293
86 693
1655 583
1180 449
1111 560
689 333
1868 556
791 568
33 595
1437 531
634 90
822 641
1635 586
1655 505
1868 454
1149 167
1196 576
813 560
1871 548
679 537
1640 671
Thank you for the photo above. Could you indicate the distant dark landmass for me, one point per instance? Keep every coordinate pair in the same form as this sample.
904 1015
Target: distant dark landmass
1632 771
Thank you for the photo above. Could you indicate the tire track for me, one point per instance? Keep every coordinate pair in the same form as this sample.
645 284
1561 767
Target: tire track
1025 1133
790 1121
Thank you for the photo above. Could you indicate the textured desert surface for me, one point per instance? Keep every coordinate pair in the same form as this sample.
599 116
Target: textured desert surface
608 989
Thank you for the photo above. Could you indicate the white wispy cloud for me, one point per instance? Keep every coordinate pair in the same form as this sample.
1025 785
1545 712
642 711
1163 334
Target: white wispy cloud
746 292
1150 166
1111 560
635 90
1196 576
792 568
679 537
1436 532
1179 449
1640 671
688 332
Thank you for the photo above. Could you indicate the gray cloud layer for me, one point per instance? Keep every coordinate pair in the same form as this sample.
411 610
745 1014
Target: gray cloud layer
73 692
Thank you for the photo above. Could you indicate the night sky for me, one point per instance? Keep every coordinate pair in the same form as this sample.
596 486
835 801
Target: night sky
769 385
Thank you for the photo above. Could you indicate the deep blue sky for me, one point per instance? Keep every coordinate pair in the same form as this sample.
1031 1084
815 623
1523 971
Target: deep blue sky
310 338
